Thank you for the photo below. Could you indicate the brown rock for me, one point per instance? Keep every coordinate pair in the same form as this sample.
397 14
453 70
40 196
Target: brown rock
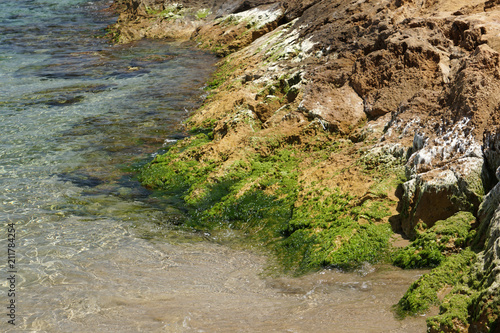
475 90
341 108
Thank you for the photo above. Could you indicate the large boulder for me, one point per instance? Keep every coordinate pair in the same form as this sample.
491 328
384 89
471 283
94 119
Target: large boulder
446 176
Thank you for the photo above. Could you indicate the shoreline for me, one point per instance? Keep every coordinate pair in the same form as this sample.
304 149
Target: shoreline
332 126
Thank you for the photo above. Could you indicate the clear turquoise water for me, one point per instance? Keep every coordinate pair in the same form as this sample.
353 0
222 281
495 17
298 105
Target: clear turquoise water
75 113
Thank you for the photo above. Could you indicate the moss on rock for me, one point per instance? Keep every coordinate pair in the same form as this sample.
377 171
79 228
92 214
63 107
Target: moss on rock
473 305
332 231
462 284
423 293
307 224
431 246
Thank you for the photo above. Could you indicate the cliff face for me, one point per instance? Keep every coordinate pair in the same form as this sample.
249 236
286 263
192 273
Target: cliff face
332 124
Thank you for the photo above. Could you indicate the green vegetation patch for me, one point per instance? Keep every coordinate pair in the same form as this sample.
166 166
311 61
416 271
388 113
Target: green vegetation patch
249 191
423 293
203 13
430 247
473 301
224 71
254 195
454 311
331 230
459 284
175 11
178 169
308 226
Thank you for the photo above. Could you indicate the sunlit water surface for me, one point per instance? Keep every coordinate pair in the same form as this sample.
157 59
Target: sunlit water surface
94 250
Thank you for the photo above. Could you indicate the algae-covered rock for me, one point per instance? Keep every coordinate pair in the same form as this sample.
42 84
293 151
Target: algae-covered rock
307 225
483 281
491 148
447 173
431 246
473 305
456 186
439 189
423 293
384 156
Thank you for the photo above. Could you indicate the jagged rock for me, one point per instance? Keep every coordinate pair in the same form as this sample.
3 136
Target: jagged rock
388 156
475 91
447 173
492 252
433 188
448 145
486 271
439 193
491 149
400 66
487 209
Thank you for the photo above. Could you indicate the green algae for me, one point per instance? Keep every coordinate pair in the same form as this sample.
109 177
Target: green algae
203 13
453 311
423 293
430 247
472 302
258 195
224 71
332 231
225 201
174 175
459 284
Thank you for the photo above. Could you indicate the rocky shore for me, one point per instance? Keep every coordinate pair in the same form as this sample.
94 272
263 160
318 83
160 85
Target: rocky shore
332 127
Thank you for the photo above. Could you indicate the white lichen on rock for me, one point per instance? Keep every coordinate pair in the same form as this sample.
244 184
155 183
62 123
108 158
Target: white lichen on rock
447 146
255 17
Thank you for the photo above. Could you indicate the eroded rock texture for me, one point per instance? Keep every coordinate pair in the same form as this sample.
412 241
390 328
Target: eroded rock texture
417 81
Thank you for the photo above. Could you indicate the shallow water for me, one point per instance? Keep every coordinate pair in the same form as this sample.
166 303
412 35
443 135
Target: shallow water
95 252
